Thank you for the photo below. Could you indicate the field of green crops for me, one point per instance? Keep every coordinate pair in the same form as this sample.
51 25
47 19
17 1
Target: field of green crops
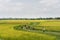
7 31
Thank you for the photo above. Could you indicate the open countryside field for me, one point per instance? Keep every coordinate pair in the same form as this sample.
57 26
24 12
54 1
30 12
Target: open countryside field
51 32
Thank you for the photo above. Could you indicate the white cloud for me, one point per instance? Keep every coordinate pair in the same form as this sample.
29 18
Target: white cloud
25 8
49 2
49 5
9 7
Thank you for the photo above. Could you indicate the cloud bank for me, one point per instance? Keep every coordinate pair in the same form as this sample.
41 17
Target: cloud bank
29 8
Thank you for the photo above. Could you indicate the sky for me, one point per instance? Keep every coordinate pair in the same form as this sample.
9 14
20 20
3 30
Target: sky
29 8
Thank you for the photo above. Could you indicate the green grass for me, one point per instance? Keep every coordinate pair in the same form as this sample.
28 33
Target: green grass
7 32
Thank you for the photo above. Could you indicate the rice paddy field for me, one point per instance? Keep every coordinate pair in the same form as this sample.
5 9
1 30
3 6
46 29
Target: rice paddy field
52 30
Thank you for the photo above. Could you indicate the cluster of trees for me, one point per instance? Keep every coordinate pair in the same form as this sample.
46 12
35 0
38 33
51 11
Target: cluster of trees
30 18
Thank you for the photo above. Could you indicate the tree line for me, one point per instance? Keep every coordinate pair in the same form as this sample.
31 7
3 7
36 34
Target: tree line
56 18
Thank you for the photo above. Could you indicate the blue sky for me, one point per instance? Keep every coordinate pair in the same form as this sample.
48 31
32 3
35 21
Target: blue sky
29 8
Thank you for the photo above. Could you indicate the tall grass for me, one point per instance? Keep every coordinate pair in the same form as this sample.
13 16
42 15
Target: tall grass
8 33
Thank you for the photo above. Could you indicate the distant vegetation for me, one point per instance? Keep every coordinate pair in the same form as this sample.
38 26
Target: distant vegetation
50 18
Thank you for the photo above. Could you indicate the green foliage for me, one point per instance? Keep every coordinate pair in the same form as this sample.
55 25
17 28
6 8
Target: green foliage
7 31
34 23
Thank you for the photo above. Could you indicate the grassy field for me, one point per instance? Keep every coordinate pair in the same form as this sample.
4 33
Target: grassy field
7 31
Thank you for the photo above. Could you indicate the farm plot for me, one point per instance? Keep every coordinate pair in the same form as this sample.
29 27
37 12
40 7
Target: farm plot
7 31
